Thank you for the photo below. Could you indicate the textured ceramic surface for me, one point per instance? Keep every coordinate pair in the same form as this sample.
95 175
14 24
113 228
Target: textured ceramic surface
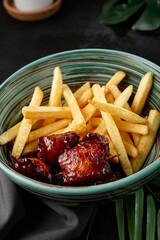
78 66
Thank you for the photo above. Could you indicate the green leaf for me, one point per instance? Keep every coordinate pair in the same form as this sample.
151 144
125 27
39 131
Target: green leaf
138 214
130 206
158 225
151 219
113 13
92 221
156 181
150 18
120 218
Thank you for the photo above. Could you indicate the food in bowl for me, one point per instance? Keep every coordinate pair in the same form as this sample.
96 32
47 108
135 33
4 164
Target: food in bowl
102 110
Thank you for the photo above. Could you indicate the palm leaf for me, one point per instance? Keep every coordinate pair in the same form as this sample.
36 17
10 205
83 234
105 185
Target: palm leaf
139 202
120 218
151 219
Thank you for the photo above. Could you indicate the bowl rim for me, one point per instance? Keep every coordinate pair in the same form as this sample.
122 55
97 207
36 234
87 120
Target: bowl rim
80 190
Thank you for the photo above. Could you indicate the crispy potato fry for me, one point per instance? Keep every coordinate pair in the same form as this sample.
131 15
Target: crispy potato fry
26 125
117 142
116 79
118 111
125 136
48 129
142 93
46 112
75 110
101 129
109 98
83 99
56 88
114 90
88 111
95 121
130 149
56 93
131 127
10 134
122 99
77 94
29 147
112 150
146 141
136 138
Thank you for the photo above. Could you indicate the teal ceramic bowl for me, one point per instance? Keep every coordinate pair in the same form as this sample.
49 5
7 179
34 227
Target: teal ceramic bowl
78 66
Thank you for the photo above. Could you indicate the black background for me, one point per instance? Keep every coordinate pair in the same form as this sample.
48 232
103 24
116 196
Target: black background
73 27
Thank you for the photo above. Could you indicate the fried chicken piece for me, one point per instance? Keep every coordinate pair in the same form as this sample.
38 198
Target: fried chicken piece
49 148
95 137
34 168
85 163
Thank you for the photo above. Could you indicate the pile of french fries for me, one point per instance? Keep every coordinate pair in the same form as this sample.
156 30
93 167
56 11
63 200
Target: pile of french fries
99 109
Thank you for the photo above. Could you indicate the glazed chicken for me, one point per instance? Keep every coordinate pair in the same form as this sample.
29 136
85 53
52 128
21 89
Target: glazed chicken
95 137
34 168
49 148
85 163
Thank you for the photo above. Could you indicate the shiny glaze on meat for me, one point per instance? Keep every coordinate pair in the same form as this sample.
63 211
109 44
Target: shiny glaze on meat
34 168
85 163
49 148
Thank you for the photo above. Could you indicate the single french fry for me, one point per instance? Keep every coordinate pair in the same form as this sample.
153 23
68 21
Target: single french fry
56 88
131 127
56 93
117 142
116 79
80 91
136 138
79 120
29 147
26 125
109 98
48 129
101 129
99 92
112 150
88 111
122 99
118 111
46 112
10 134
125 136
83 99
130 149
142 93
95 121
146 141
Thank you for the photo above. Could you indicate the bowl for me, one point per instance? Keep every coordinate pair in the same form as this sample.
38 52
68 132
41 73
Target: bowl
78 66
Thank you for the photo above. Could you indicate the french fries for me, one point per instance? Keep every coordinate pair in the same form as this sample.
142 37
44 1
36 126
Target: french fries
26 125
75 110
99 109
46 112
146 141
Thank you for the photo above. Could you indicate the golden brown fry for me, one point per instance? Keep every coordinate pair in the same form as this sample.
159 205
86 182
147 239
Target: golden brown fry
116 93
130 149
116 79
101 129
146 141
26 125
142 93
29 147
131 127
95 121
125 136
10 134
56 93
83 99
122 99
46 112
118 111
136 138
56 89
118 143
112 150
48 129
75 110
109 98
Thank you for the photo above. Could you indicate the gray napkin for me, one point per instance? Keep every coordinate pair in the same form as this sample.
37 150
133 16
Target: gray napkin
23 216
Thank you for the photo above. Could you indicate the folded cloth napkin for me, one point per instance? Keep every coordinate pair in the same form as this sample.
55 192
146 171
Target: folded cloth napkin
24 216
